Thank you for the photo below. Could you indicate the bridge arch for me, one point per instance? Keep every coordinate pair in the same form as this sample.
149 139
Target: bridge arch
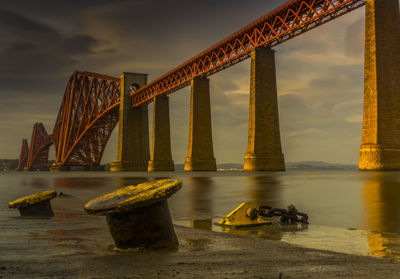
86 119
38 153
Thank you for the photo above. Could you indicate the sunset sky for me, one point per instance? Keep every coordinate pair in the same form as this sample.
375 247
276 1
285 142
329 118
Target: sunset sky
320 73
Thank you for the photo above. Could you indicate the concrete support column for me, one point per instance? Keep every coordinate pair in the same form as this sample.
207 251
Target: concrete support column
200 152
264 151
380 147
161 157
133 138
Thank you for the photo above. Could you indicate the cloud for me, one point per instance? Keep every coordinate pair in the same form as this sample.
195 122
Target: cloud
301 132
319 73
16 26
36 52
358 118
355 38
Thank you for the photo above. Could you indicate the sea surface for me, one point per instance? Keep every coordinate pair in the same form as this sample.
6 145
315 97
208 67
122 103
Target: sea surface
349 211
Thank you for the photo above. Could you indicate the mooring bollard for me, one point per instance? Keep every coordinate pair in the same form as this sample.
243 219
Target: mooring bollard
245 215
36 205
138 216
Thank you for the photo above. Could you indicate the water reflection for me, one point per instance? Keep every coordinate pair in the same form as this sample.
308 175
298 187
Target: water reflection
201 206
382 198
36 182
127 181
203 224
264 190
382 202
83 182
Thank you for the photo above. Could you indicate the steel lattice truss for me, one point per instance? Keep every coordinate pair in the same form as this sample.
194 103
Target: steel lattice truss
38 155
23 156
287 21
87 116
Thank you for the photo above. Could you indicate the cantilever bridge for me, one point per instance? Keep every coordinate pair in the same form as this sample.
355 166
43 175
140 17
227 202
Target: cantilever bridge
93 103
87 116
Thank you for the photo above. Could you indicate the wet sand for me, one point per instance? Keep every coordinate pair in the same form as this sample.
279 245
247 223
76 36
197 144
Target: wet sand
89 253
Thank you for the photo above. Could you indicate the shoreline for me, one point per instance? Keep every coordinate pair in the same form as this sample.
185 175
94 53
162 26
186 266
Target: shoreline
202 254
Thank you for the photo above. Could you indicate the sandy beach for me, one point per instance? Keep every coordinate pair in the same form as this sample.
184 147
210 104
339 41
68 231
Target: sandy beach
90 253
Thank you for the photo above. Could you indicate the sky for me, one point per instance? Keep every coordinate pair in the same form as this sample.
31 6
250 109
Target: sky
319 74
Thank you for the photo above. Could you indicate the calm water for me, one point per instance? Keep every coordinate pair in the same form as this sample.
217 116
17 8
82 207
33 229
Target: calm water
349 211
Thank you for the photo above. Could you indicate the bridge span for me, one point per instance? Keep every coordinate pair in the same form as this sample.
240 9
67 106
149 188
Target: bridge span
93 103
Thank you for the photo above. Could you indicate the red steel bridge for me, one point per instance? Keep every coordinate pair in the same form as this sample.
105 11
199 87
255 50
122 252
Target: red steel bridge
89 110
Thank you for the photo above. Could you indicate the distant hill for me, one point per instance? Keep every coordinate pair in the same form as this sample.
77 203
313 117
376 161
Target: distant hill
305 165
319 165
8 164
179 166
12 164
228 166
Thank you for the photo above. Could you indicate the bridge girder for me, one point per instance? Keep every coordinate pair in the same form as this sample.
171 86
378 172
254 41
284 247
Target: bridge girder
285 22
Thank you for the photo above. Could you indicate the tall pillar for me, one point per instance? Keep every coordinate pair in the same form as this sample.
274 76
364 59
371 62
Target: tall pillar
264 151
133 138
200 152
380 147
161 157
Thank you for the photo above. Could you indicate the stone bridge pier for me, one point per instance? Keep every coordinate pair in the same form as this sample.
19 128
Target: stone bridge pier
264 151
200 155
133 138
161 155
380 147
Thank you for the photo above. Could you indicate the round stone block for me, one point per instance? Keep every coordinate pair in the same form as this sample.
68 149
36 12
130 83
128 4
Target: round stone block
138 216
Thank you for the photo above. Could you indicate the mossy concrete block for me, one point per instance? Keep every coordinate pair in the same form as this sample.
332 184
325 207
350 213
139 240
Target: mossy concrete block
131 197
138 216
35 205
